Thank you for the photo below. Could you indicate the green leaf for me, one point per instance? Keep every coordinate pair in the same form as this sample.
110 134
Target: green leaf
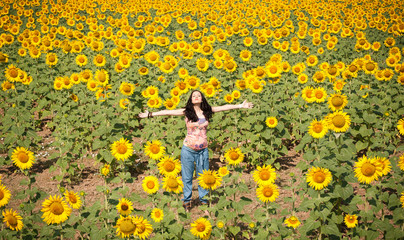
330 229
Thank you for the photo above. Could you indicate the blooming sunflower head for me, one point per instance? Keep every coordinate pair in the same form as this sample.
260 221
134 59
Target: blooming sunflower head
73 199
351 220
126 226
318 178
267 192
271 122
338 121
23 158
318 129
12 219
173 184
201 228
150 184
223 171
124 207
292 221
264 174
337 101
234 156
122 149
55 210
154 149
209 179
4 195
169 166
143 227
368 169
157 215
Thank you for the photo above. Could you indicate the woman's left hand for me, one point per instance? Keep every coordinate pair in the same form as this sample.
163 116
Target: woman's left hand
246 104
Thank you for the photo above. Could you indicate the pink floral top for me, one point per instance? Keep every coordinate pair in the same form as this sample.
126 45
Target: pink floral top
196 138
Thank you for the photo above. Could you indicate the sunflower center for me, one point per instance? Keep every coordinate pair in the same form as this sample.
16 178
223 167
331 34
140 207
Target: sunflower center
368 169
150 185
273 69
318 128
102 77
264 175
167 66
100 59
157 214
201 64
209 180
172 183
52 58
319 177
267 192
234 156
122 149
13 73
1 195
154 149
56 208
351 219
338 121
319 94
292 220
126 88
127 227
72 198
230 65
200 227
12 220
23 157
332 70
169 166
337 101
124 207
370 66
353 68
153 57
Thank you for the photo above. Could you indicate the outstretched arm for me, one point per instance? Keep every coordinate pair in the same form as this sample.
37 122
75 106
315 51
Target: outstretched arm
175 112
226 107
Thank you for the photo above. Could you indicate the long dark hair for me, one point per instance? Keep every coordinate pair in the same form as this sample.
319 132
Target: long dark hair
205 107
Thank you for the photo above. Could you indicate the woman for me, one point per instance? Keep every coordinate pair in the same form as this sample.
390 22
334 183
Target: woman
197 114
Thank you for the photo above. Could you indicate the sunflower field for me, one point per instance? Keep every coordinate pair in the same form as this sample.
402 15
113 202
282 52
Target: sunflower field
326 79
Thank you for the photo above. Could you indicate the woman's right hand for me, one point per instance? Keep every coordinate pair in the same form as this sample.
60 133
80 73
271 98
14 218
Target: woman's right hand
144 115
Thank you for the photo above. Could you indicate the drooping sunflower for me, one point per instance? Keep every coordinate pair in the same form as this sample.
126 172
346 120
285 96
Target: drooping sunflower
73 199
318 178
234 156
12 219
126 226
267 192
55 210
400 126
201 228
124 207
143 227
157 215
154 149
223 171
318 129
338 121
367 169
123 103
173 184
292 221
271 122
4 195
127 88
337 101
351 220
105 169
150 184
264 175
209 179
23 158
122 149
169 166
385 163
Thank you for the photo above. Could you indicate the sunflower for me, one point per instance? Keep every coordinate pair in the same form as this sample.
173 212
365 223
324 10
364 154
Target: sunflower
223 171
150 184
368 169
157 215
202 64
123 103
401 162
292 222
267 192
351 220
209 179
319 94
337 101
245 55
173 184
150 91
154 149
12 219
91 85
248 41
302 78
318 129
122 149
385 163
220 224
143 228
271 122
124 207
236 94
6 85
99 60
264 175
228 98
312 60
402 199
234 156
126 226
400 126
23 158
318 178
127 88
4 195
201 228
73 199
308 94
105 169
102 77
51 59
55 210
338 121
12 73
81 60
273 69
169 166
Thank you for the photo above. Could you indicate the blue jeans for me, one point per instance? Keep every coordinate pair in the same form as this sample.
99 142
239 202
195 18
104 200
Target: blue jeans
201 160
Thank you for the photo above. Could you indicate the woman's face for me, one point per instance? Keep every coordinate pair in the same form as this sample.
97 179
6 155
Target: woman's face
196 97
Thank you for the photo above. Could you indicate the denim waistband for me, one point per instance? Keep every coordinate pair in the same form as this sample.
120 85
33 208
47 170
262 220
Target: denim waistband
198 154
